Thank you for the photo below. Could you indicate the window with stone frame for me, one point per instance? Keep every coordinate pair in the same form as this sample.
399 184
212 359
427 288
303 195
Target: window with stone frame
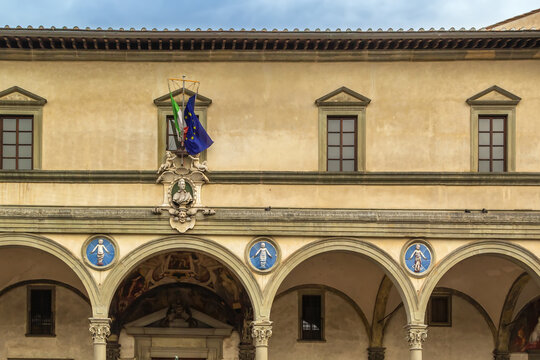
342 130
493 130
342 143
440 310
16 139
40 311
165 114
492 143
20 129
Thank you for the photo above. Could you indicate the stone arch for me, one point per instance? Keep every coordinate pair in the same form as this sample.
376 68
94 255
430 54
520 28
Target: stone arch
49 246
179 243
389 266
512 252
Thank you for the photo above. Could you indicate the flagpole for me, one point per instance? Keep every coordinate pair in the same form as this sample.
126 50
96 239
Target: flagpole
183 106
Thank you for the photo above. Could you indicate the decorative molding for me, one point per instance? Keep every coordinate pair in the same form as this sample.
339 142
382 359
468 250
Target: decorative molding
100 329
16 96
416 335
280 177
343 97
507 97
182 186
278 221
261 331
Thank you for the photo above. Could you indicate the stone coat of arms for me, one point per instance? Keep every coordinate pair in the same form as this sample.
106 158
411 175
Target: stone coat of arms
182 190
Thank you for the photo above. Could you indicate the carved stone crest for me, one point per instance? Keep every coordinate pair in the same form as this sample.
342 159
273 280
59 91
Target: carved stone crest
182 190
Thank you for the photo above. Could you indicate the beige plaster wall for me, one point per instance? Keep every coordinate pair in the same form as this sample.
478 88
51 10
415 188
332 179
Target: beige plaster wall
262 195
20 264
72 340
468 338
230 346
263 114
487 279
351 274
345 336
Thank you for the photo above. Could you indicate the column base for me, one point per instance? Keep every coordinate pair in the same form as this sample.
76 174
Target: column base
376 353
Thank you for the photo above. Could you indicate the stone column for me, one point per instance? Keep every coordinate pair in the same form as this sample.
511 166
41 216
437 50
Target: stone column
261 332
501 355
100 330
375 353
416 335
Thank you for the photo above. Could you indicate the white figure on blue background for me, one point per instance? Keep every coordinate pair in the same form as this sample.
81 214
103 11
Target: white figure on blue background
418 255
262 253
101 249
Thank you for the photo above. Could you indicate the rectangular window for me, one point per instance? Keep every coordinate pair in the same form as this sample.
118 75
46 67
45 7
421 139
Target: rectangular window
171 138
440 310
492 143
312 317
40 311
341 143
16 142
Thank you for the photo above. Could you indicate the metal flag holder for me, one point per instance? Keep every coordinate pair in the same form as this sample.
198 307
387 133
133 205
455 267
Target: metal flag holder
179 132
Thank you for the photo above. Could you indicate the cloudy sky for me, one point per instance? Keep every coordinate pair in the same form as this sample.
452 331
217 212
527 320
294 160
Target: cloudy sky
261 14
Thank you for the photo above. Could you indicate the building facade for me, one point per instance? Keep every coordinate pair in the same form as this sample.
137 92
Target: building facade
369 194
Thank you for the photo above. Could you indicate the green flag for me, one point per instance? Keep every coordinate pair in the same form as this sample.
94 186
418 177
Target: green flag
176 111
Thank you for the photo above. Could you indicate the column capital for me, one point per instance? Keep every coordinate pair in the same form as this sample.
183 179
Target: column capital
100 328
416 335
261 332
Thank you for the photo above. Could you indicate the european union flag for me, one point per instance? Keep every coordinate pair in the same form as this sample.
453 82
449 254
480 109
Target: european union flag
197 140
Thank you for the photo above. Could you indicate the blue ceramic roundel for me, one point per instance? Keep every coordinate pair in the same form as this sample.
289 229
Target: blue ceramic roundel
100 252
418 258
263 255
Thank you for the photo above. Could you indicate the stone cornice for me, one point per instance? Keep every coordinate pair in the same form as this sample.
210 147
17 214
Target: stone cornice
456 224
114 45
11 54
281 177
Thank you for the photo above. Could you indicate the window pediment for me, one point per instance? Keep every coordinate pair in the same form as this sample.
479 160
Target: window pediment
17 96
343 97
165 100
494 95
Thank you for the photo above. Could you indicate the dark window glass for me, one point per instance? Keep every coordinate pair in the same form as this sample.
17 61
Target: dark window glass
41 313
440 311
492 143
342 144
16 142
311 317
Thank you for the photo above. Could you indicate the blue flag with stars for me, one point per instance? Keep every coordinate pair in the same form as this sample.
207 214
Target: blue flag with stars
197 140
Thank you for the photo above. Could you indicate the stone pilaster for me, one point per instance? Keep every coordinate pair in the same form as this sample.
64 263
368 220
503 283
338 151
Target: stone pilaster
113 350
100 329
375 353
501 355
416 335
261 331
246 352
